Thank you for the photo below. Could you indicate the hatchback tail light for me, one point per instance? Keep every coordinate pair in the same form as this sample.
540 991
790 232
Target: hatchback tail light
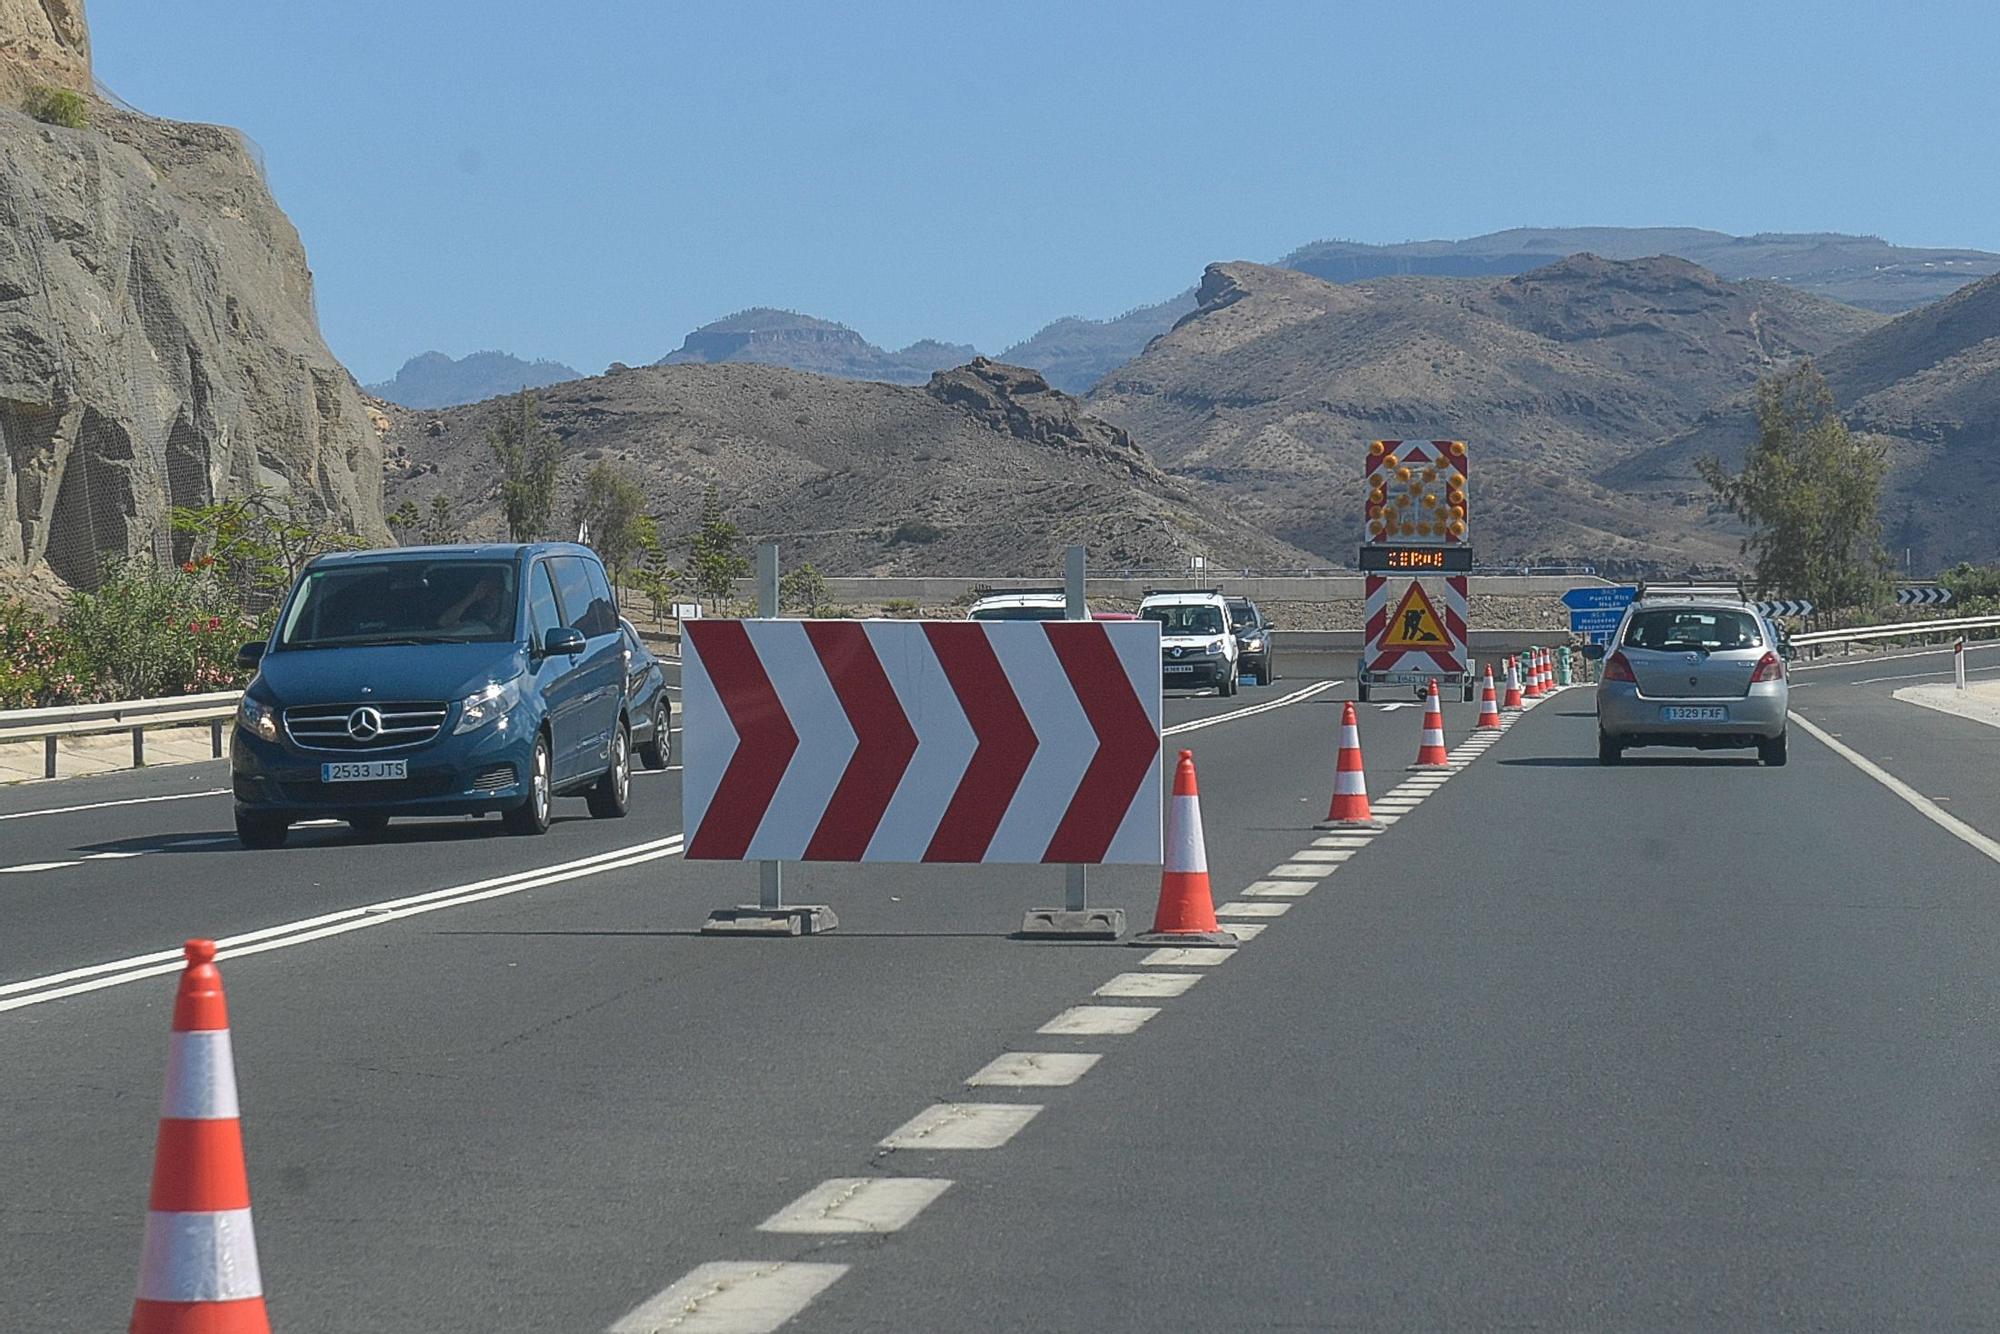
1770 667
1616 668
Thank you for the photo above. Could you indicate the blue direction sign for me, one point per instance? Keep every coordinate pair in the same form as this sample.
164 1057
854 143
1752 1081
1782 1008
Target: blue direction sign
1599 598
1598 621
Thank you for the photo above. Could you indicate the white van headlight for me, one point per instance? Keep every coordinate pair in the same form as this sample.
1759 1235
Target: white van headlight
495 701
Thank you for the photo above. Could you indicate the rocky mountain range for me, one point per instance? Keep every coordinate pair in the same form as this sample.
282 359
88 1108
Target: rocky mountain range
1273 384
158 344
766 337
984 468
434 380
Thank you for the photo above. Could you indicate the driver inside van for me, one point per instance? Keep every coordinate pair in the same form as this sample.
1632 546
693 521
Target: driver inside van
478 611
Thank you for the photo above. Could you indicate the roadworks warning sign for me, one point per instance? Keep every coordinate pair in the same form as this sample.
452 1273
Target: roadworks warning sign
1415 624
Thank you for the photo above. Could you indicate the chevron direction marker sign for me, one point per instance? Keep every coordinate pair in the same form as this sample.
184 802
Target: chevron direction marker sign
922 741
1786 607
1927 595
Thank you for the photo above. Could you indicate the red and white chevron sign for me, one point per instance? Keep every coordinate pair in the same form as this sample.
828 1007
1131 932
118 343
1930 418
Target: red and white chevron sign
922 741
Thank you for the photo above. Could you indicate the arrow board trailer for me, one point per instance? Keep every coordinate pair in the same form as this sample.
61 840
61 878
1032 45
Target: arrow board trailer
922 741
1418 552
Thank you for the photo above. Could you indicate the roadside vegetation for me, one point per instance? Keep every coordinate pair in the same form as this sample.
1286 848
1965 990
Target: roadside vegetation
1811 492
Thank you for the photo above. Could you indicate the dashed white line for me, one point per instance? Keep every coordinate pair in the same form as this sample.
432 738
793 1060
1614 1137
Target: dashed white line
1085 1021
127 801
1146 986
1323 854
1174 957
732 1297
857 1204
1355 841
1299 871
1251 910
962 1125
1245 930
35 866
1277 889
1039 1069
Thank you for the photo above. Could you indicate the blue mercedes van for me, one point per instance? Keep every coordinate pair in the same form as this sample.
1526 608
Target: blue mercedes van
437 681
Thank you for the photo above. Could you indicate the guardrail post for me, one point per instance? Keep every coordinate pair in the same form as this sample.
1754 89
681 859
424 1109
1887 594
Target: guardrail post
1958 662
138 748
48 757
215 739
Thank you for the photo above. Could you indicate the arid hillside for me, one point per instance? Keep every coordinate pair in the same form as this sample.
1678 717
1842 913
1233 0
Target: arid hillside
984 470
1272 386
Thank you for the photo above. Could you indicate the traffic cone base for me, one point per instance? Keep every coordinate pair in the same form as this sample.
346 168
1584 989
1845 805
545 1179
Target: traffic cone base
1186 915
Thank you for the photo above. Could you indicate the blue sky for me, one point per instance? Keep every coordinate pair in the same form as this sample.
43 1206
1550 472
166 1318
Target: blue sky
589 182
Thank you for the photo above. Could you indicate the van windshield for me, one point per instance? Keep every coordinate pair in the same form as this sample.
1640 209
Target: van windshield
1191 618
403 602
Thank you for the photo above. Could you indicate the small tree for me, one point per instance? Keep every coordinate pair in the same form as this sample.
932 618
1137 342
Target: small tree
715 556
260 541
803 590
1810 491
529 454
611 506
440 526
404 519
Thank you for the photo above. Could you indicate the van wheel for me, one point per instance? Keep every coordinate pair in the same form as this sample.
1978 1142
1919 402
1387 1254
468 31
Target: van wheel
1608 751
610 797
1771 749
532 815
654 753
261 831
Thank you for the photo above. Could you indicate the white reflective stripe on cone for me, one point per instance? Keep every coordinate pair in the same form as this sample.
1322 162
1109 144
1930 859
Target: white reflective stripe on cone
199 1257
1350 783
1184 847
1350 737
201 1077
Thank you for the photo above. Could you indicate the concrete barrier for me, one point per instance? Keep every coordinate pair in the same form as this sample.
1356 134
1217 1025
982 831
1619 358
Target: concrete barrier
941 590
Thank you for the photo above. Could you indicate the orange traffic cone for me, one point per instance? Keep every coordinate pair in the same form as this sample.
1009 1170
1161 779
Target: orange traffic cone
1534 673
1544 679
1513 700
1186 915
198 1269
1489 705
1350 784
1431 752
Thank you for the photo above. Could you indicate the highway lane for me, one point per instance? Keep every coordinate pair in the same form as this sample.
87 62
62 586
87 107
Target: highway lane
535 1111
1690 1043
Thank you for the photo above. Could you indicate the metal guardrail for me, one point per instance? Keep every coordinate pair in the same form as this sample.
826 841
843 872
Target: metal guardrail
1900 630
133 715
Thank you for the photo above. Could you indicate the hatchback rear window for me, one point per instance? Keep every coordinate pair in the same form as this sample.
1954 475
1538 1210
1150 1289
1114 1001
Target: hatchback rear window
1711 629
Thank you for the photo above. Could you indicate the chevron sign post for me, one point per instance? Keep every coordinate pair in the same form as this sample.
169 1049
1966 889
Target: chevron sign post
922 741
1926 595
1786 607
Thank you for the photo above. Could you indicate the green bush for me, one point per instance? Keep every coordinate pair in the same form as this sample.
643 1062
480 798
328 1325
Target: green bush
34 659
58 106
150 631
903 607
921 534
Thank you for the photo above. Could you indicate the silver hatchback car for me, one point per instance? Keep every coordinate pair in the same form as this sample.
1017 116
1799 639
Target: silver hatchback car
1694 667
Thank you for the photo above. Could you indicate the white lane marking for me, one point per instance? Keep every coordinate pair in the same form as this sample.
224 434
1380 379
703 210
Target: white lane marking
1098 1020
1245 930
857 1204
1145 986
1250 910
1299 871
35 866
1173 956
139 967
1930 810
1038 1069
1391 708
1318 854
962 1125
128 801
732 1297
110 856
208 841
1388 817
1234 714
1278 889
1355 841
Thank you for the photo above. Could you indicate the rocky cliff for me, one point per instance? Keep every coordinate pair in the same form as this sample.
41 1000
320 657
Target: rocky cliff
43 42
767 337
158 344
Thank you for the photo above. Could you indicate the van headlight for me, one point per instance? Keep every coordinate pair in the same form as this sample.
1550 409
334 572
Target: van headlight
1213 646
495 701
258 718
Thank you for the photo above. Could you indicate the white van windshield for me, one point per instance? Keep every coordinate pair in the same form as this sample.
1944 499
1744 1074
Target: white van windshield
1192 618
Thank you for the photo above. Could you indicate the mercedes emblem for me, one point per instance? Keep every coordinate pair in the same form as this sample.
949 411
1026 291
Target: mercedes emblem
364 724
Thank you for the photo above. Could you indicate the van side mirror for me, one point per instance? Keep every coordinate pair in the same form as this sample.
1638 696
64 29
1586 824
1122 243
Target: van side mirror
1595 652
249 655
564 639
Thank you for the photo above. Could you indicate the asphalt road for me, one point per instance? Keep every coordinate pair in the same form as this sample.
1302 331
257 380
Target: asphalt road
1687 1043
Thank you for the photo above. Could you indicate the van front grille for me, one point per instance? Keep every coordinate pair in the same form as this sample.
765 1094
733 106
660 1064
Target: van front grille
364 727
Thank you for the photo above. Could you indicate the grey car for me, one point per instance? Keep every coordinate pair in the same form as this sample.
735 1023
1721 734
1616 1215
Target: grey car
1692 669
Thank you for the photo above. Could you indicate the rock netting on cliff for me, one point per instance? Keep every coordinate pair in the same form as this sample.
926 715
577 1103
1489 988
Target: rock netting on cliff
158 345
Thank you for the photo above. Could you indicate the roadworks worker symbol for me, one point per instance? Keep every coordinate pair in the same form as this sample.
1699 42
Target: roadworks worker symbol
1415 625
